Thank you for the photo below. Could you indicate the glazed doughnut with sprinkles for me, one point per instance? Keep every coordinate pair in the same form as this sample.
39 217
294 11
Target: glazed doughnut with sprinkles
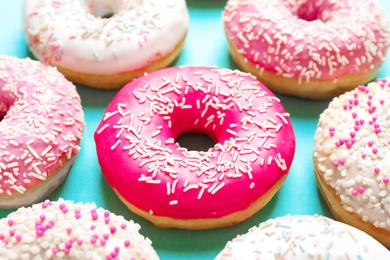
175 187
303 237
308 48
67 230
105 43
41 126
351 158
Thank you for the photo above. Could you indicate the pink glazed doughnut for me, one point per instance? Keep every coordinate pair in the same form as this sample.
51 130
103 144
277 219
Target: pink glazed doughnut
67 230
41 125
310 49
172 186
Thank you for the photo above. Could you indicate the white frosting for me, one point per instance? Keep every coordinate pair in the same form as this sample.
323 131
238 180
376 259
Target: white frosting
304 237
67 230
352 152
70 33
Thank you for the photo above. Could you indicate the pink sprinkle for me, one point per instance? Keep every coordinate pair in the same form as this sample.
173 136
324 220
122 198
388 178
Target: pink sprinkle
93 227
6 241
38 232
10 222
107 220
356 128
127 243
354 193
93 240
378 130
112 229
94 216
68 244
382 101
354 114
50 224
370 143
375 150
106 214
12 232
55 251
69 230
42 217
18 237
377 170
102 242
66 251
123 225
364 155
360 189
79 242
32 13
106 236
335 164
386 180
352 134
341 161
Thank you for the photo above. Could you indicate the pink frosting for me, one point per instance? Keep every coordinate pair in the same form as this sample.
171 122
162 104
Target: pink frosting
41 123
318 40
139 156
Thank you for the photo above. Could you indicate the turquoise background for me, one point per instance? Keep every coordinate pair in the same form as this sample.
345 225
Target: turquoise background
205 45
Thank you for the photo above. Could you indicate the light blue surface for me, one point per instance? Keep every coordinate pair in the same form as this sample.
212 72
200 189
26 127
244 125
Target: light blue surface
205 45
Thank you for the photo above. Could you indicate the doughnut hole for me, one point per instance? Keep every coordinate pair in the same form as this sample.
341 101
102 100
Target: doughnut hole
195 141
309 11
3 111
103 8
6 101
199 132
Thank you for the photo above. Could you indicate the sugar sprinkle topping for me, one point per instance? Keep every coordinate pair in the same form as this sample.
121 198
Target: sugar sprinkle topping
65 229
247 149
351 150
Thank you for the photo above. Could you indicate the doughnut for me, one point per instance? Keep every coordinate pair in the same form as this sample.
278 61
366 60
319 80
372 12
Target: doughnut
104 43
67 230
303 237
351 158
309 49
175 187
41 125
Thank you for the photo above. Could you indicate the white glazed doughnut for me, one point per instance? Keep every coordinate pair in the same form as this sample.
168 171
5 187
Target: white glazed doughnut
303 237
311 49
255 146
41 125
352 158
66 230
105 52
